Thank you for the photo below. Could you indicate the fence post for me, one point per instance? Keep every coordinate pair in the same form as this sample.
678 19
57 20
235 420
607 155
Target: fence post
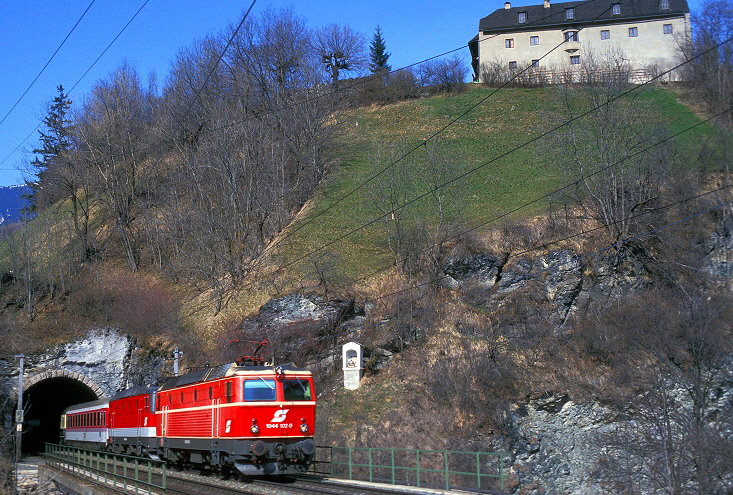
478 470
501 471
369 452
447 472
351 474
393 469
417 457
162 477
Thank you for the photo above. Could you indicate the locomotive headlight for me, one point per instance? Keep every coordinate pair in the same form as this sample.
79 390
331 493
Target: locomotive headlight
254 428
303 425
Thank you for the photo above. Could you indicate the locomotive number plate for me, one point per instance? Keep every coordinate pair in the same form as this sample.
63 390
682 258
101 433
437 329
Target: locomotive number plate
279 425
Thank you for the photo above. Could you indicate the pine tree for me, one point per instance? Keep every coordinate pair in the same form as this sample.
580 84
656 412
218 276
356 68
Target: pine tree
378 54
55 141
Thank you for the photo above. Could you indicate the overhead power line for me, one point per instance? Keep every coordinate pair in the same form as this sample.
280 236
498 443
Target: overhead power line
44 67
109 45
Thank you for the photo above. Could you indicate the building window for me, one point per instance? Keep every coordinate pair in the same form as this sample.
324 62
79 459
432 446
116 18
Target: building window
569 13
571 36
536 62
663 4
633 32
616 9
509 43
574 59
605 34
513 64
534 40
667 28
521 17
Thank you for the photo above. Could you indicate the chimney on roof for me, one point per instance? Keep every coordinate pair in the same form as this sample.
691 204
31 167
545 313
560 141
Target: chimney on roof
507 5
547 4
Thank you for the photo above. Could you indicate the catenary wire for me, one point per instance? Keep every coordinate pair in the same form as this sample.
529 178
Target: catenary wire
493 219
83 75
571 184
434 134
49 61
614 245
504 155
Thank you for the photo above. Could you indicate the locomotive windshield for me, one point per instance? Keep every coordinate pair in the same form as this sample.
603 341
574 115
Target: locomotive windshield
259 389
296 389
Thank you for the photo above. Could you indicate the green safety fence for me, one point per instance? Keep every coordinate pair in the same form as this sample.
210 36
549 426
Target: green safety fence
444 469
119 472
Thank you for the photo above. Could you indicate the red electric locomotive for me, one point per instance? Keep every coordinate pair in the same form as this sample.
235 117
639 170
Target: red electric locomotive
259 419
133 423
255 418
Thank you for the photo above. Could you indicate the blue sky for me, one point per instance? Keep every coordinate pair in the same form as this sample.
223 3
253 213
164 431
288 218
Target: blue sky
32 30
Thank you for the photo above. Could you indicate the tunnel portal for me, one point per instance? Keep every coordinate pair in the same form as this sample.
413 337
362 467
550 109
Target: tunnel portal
44 402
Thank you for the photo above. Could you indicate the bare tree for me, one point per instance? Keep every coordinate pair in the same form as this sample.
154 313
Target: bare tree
340 49
113 132
607 150
710 71
443 75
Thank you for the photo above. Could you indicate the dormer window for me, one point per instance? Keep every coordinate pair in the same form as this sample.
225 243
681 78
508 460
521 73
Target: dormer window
522 17
663 4
570 13
616 9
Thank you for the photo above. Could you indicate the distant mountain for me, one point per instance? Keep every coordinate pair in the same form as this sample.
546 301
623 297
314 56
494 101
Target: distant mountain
12 202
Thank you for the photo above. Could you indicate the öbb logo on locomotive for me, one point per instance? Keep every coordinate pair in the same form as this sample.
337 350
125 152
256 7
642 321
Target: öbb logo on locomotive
208 418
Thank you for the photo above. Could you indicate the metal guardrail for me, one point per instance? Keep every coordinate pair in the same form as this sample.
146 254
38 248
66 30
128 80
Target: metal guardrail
448 469
119 472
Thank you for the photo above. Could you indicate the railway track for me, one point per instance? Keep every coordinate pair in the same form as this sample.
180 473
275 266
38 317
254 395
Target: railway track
193 483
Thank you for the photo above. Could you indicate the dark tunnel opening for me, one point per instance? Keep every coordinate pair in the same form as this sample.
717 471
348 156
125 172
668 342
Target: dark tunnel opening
44 402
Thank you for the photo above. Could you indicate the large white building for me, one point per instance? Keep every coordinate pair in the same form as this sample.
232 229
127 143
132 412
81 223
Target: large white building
559 38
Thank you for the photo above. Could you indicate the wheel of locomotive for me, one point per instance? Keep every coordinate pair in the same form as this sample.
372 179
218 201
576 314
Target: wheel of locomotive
226 467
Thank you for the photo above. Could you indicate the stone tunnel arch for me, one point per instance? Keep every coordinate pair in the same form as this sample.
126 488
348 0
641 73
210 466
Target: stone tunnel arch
45 396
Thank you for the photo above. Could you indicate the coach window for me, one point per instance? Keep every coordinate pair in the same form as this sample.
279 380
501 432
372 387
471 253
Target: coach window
259 389
296 389
229 391
195 395
211 393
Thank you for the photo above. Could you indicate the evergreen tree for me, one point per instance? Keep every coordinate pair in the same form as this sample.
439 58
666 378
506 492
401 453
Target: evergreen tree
378 54
55 141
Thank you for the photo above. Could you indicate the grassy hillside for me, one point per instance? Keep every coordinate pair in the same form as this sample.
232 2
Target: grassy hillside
469 158
486 145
